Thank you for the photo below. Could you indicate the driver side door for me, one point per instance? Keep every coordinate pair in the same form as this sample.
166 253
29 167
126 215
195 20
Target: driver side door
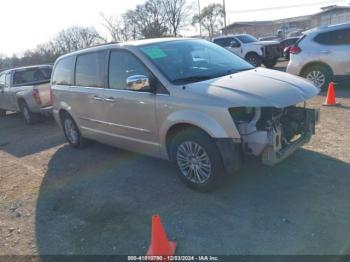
234 46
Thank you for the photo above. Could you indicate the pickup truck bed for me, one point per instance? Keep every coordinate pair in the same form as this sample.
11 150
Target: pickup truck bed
26 90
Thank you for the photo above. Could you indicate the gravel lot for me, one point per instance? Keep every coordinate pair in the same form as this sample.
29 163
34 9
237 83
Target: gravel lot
99 200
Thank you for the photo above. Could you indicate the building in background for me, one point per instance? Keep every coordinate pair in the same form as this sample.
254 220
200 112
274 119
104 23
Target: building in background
293 26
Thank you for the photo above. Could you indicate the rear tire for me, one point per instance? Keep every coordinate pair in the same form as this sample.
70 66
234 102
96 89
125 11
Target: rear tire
198 160
72 132
30 118
320 75
253 59
2 112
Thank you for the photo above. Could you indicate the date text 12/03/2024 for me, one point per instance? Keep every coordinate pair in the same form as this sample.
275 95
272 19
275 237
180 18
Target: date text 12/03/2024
173 258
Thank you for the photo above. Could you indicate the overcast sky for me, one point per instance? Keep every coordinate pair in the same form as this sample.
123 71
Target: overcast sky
24 24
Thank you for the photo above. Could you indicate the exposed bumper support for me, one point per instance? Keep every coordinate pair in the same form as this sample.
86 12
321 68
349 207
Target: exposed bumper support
271 157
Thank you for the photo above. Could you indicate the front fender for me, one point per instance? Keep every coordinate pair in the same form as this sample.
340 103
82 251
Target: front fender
200 120
62 106
256 49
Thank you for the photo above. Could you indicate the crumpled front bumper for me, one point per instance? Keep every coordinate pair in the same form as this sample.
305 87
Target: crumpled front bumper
271 157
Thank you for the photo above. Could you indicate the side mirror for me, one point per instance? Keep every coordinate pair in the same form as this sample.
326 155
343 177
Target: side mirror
235 44
138 83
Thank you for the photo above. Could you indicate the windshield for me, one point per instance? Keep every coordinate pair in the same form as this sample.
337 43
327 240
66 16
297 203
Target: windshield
186 61
247 39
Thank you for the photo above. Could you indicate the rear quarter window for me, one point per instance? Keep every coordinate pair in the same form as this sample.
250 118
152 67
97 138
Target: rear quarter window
336 37
64 71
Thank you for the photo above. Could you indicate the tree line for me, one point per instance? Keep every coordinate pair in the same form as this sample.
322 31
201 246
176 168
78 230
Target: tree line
153 19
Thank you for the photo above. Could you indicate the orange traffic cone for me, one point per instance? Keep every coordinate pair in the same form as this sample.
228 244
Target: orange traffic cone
330 99
160 245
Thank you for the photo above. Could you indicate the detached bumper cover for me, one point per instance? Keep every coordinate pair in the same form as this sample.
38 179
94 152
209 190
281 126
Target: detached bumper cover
271 157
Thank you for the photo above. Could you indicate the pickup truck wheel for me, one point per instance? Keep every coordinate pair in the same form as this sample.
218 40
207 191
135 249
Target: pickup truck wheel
318 74
71 131
253 59
2 112
29 117
198 159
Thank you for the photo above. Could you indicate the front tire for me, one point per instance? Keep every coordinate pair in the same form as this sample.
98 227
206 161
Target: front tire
2 112
318 74
72 132
253 59
198 160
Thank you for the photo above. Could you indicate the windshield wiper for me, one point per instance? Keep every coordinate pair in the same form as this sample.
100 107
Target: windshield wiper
193 79
232 71
190 79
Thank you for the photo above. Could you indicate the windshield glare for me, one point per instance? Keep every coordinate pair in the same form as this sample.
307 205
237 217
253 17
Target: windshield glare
247 39
186 61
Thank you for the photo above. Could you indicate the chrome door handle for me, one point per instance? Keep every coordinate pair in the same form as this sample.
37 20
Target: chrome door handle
110 100
325 51
97 98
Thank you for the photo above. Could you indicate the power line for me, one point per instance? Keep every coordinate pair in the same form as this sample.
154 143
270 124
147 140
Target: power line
285 7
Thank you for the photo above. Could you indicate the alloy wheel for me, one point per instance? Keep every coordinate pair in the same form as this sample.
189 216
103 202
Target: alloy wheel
194 162
317 77
71 131
253 61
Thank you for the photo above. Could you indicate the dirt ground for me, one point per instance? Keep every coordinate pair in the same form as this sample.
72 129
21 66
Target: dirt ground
99 200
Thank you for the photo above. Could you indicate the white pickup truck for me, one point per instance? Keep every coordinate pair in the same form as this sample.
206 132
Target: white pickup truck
26 90
251 49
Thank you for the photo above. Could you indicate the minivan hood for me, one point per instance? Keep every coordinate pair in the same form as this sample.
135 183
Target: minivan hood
258 87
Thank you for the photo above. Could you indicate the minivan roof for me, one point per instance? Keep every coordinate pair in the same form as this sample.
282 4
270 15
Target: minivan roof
129 43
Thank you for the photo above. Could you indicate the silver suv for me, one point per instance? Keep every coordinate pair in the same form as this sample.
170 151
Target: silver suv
322 55
185 100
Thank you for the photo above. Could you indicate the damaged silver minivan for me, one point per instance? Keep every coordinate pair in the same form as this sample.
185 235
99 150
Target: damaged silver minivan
186 100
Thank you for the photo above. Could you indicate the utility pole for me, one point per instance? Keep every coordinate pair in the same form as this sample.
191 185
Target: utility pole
224 9
199 15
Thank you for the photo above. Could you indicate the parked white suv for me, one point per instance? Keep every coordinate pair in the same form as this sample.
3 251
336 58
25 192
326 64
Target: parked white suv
185 100
322 55
251 49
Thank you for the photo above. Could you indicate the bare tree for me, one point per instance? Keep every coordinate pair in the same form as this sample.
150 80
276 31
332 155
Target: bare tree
149 19
175 14
67 40
112 25
75 38
118 28
131 22
210 18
